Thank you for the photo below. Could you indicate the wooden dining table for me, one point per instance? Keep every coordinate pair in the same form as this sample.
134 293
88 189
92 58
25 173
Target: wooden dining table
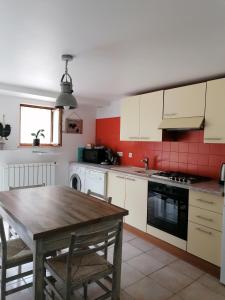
45 217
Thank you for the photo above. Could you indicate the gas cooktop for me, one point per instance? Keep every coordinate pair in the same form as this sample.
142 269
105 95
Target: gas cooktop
180 177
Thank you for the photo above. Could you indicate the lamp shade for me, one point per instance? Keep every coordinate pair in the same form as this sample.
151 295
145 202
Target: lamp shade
66 98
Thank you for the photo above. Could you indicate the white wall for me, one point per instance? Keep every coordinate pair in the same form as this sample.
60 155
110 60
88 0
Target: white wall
63 155
109 111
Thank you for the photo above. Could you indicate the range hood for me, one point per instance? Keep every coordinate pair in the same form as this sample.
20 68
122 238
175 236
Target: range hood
182 123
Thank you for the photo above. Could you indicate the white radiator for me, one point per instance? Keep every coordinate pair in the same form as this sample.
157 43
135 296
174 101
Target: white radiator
18 175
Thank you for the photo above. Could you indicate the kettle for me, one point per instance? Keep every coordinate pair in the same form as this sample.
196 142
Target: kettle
222 173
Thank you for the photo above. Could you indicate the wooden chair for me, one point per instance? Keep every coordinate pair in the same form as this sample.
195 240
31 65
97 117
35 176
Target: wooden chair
96 195
82 264
12 232
13 253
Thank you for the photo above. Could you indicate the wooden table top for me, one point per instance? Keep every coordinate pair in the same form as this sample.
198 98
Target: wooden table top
51 209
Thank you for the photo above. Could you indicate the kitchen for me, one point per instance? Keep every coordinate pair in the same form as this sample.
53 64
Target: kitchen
139 123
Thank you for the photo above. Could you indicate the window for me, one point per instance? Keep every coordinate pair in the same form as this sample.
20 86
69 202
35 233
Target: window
33 118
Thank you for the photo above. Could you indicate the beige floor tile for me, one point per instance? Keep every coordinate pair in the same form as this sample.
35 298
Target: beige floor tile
175 297
171 279
186 269
147 289
129 252
22 295
197 291
163 256
128 236
129 275
141 244
125 296
145 264
212 283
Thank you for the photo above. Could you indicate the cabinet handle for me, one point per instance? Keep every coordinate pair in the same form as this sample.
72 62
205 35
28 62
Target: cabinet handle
121 177
205 231
133 137
205 201
145 138
131 179
205 218
213 138
171 114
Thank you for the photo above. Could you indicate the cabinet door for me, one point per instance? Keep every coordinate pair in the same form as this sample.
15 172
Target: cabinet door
214 115
204 242
151 110
136 202
129 120
116 188
186 101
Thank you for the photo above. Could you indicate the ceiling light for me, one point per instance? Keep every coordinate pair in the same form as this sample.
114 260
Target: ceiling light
66 98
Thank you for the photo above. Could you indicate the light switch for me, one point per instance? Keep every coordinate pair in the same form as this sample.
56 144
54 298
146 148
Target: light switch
130 154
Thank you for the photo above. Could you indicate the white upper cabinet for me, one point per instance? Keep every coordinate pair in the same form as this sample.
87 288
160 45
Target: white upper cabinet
151 107
129 121
186 101
141 116
215 112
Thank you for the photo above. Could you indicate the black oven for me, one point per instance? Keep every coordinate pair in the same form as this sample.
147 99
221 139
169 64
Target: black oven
168 208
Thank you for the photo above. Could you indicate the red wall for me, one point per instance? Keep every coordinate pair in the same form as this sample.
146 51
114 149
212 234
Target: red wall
184 151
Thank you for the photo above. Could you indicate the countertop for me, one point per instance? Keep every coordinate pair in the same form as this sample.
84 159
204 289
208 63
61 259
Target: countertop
211 186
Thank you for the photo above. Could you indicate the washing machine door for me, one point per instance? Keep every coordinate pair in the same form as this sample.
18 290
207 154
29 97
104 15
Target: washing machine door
75 182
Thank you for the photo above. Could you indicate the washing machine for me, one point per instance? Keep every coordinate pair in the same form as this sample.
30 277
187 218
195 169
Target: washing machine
77 177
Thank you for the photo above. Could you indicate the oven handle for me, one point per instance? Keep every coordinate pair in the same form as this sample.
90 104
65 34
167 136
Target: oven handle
177 198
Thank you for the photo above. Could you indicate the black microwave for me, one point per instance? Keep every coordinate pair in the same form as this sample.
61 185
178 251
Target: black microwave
95 156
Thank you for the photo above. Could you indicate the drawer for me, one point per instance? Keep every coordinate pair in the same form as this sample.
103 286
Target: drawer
206 200
205 217
204 243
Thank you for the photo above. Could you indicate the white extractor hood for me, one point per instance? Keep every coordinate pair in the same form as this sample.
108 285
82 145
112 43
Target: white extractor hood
182 123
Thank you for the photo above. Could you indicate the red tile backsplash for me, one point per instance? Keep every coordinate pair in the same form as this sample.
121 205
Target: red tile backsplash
181 151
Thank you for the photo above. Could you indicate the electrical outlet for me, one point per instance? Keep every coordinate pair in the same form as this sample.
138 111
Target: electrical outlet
120 154
130 154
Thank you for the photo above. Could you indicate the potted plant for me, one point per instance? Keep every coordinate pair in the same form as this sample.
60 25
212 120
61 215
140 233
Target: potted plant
36 140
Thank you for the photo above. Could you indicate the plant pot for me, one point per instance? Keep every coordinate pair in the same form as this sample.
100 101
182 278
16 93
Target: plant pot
36 142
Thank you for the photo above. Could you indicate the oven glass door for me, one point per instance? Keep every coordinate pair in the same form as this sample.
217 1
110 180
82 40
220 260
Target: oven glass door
168 213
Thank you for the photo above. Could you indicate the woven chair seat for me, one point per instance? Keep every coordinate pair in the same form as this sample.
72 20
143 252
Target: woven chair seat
83 267
17 252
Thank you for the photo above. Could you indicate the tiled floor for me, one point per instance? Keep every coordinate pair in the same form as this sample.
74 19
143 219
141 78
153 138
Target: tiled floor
149 273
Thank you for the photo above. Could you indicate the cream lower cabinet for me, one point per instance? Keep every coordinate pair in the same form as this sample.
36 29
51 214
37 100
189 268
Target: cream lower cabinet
116 188
214 131
205 226
136 202
131 193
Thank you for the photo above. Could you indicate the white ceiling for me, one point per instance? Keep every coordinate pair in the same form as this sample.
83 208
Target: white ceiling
122 46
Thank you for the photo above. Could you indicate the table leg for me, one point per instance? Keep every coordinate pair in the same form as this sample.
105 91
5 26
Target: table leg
117 273
38 272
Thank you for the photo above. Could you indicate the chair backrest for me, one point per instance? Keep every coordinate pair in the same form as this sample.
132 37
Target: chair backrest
93 242
3 241
11 188
96 195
